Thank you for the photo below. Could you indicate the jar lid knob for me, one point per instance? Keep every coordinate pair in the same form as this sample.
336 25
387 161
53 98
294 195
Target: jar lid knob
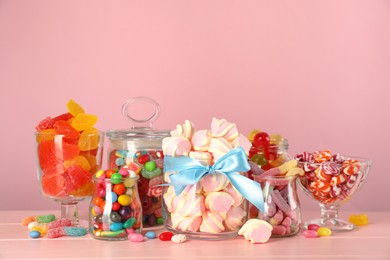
147 122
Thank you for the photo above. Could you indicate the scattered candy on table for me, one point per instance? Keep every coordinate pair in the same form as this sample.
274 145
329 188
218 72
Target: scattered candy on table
178 238
256 231
39 219
166 236
359 219
66 231
150 234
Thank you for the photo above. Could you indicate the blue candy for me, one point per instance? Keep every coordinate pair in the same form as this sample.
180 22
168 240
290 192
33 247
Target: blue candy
151 235
116 226
35 234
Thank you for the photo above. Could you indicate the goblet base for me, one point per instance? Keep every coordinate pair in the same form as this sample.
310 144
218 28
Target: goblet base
334 224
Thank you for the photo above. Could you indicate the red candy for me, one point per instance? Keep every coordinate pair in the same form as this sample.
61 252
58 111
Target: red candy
166 236
261 139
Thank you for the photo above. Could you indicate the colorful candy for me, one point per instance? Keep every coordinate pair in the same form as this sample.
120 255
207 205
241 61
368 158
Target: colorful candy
115 207
34 234
66 231
150 234
67 163
166 236
179 238
40 219
330 178
256 231
359 219
308 233
324 231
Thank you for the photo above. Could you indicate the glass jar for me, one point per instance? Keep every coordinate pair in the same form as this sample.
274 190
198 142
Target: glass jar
268 157
281 204
139 150
211 209
115 208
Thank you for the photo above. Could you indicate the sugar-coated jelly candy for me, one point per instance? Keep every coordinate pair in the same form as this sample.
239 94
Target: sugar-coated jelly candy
74 108
324 232
358 219
83 121
166 236
66 231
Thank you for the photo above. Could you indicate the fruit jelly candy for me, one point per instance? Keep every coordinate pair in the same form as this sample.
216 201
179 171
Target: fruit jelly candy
89 139
45 135
74 108
40 219
54 185
279 230
78 176
41 229
84 121
45 123
66 231
78 160
358 219
47 154
281 203
252 134
62 127
59 223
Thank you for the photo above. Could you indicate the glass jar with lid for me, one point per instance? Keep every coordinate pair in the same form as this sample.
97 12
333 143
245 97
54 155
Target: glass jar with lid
139 150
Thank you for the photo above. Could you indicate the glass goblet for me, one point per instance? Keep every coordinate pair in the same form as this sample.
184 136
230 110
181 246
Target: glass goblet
66 165
331 191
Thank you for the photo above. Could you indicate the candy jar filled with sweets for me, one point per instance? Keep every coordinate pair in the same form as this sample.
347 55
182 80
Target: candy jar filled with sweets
281 208
115 209
207 192
139 151
267 151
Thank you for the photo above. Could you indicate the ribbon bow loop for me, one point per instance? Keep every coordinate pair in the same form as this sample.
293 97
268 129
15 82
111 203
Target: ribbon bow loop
188 171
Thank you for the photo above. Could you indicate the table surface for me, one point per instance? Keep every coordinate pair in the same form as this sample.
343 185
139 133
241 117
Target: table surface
367 242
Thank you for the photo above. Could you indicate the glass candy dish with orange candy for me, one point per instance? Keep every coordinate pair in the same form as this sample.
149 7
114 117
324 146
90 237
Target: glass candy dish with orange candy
69 151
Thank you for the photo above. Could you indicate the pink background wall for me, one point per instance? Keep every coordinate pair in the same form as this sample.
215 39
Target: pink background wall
317 72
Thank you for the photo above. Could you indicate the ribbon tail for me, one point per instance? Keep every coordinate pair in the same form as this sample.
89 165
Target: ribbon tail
251 190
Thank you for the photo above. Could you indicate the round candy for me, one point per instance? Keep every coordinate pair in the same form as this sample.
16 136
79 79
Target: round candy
178 238
151 235
116 178
34 234
124 199
160 221
119 188
150 166
135 237
114 197
324 232
166 236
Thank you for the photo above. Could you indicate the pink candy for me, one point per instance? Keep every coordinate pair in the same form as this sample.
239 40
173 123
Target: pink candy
135 237
310 233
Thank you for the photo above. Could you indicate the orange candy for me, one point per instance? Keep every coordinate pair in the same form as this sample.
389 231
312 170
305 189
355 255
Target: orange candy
89 139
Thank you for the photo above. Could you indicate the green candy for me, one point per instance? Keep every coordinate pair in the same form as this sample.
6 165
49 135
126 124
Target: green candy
116 178
151 174
150 166
129 223
159 221
46 218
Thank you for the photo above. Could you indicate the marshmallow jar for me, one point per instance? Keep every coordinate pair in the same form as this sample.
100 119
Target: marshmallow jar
212 208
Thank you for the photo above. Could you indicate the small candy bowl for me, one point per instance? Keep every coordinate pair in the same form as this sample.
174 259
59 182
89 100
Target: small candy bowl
331 180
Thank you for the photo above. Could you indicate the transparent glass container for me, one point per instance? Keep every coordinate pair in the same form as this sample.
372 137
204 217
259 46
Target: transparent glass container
268 157
281 204
139 149
211 209
115 208
66 165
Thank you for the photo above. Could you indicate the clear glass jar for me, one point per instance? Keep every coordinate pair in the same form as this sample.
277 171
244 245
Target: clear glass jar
211 209
115 208
281 204
139 149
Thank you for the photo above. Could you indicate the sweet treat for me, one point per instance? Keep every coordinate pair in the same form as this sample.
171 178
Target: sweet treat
201 140
256 231
359 219
66 231
210 204
185 130
69 153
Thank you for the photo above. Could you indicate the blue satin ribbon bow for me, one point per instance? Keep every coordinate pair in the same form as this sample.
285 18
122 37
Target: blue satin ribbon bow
190 171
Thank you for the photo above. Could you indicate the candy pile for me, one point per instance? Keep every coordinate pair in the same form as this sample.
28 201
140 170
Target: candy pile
68 152
330 178
115 209
314 231
281 202
267 151
52 228
212 205
148 164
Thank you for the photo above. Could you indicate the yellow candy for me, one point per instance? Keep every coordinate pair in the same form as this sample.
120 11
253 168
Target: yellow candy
89 139
324 232
275 138
252 134
46 135
40 229
288 166
358 219
124 200
295 171
99 173
74 108
84 121
78 160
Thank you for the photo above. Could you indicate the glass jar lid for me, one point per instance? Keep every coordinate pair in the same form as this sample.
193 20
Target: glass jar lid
141 129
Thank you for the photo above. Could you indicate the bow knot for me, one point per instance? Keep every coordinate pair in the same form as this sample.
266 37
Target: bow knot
187 171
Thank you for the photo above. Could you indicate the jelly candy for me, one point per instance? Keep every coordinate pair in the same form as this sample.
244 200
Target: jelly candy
66 231
358 219
62 127
78 176
47 155
308 233
78 160
252 134
74 108
46 135
261 139
166 236
89 140
84 121
67 150
324 231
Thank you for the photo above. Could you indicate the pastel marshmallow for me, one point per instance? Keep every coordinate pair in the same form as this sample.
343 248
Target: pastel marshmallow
201 140
242 141
256 231
235 218
212 223
219 202
185 130
219 147
214 182
176 146
223 128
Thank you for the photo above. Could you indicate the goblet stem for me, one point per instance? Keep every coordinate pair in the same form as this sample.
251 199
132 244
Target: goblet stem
70 211
329 212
